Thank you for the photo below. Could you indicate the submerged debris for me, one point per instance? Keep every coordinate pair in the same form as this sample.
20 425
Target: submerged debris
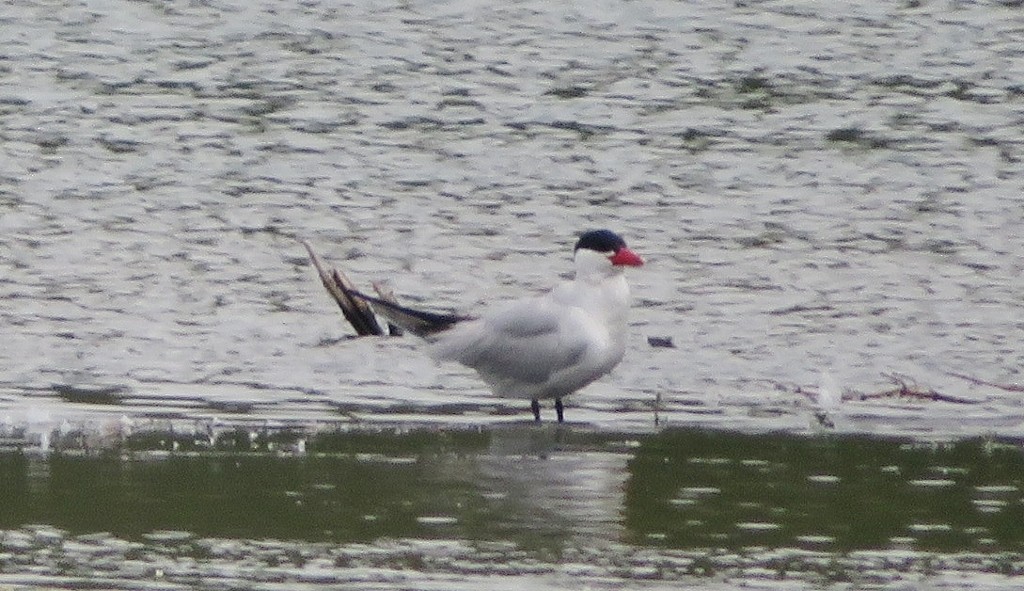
904 388
981 382
662 342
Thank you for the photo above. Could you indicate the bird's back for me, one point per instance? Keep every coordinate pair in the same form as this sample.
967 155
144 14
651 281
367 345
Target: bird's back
543 347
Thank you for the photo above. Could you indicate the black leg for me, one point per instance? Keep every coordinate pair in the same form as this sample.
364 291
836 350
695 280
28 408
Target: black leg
559 410
535 407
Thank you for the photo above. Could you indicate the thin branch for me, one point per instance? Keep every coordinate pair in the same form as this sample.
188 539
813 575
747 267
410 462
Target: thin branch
981 382
905 390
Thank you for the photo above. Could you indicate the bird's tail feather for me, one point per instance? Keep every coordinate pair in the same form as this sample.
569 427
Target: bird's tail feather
420 323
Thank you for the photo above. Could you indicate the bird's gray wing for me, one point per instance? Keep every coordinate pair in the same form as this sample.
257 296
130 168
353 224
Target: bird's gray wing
525 342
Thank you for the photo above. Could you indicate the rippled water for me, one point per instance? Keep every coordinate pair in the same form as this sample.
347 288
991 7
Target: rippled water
546 508
815 191
825 195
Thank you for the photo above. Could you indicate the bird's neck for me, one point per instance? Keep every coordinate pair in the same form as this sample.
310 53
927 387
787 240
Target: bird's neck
609 294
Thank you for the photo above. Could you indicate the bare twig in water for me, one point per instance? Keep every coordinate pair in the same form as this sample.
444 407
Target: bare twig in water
905 390
981 382
809 393
356 311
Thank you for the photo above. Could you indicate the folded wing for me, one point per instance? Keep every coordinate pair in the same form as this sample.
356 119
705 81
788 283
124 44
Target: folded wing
521 347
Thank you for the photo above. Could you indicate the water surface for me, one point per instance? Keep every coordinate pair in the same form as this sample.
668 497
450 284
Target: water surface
373 508
826 196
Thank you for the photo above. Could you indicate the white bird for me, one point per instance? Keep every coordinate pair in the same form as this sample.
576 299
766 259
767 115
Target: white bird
541 347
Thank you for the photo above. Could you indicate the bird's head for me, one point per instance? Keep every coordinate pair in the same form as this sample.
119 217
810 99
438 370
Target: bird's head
604 251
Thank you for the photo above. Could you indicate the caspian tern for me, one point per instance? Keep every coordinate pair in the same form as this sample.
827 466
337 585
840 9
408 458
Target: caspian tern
541 347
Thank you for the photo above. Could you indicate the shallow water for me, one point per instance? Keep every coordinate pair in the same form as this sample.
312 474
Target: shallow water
551 508
824 195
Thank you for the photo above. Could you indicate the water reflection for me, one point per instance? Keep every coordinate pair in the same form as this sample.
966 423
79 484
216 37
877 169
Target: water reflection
542 490
511 484
541 486
692 489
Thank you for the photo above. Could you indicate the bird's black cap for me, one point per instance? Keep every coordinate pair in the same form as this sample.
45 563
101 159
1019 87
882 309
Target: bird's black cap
600 241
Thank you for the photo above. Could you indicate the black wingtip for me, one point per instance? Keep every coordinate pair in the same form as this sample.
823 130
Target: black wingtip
418 322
